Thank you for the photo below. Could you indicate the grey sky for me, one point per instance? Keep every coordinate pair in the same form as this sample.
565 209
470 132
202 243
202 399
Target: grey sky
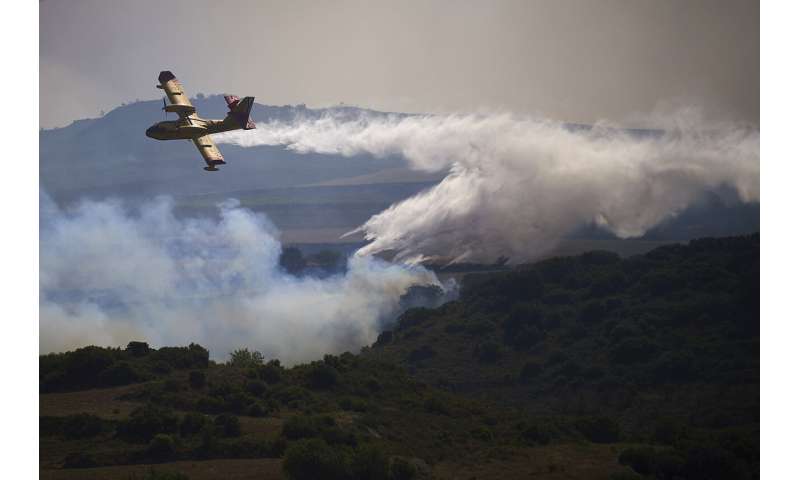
571 60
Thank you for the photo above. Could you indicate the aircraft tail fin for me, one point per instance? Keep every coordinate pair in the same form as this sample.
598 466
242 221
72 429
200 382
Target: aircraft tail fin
240 110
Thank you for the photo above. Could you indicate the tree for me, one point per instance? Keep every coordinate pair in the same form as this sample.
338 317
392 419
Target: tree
244 358
312 459
161 447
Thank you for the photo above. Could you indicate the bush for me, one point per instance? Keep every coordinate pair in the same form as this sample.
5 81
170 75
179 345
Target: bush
271 372
402 469
193 423
148 421
384 338
120 373
249 448
193 356
256 387
536 433
323 376
488 352
82 425
207 404
313 459
197 379
161 447
370 463
79 460
530 371
436 404
663 463
228 425
421 353
255 410
598 429
714 462
632 350
138 349
209 444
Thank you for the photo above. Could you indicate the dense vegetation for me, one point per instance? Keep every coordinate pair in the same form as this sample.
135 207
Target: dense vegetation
656 355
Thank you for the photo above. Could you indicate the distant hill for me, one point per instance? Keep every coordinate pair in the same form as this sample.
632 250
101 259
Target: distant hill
110 156
312 198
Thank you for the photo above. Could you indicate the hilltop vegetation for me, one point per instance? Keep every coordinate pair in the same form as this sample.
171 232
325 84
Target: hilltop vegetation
584 367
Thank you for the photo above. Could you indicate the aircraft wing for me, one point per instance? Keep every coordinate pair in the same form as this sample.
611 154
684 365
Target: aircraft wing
209 151
180 103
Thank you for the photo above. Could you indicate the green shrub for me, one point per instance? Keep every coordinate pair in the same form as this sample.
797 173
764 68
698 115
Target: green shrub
402 469
193 423
421 353
193 356
370 463
228 425
271 373
488 352
79 460
353 404
137 349
436 404
598 429
632 350
249 448
209 445
49 425
82 425
212 405
536 433
161 447
530 371
313 459
255 410
323 376
709 461
244 358
663 463
384 338
481 433
148 421
197 379
256 387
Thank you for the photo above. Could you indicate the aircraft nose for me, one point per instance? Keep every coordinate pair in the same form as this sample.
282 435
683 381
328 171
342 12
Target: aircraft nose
149 132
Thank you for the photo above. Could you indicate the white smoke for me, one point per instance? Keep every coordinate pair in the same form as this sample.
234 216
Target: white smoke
109 275
516 185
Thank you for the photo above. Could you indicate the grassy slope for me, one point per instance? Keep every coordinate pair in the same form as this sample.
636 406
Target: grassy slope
666 342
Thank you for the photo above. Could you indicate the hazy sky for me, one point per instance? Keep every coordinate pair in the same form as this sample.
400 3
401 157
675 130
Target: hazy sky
571 60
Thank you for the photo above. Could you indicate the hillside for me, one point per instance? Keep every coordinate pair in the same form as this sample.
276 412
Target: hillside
576 367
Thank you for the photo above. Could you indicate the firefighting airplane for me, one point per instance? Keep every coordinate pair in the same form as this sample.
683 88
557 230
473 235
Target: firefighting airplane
189 126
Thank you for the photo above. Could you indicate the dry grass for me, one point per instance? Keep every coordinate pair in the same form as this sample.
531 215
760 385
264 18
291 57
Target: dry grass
103 402
245 469
551 462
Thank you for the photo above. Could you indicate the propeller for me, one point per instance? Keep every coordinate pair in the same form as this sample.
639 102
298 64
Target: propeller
164 99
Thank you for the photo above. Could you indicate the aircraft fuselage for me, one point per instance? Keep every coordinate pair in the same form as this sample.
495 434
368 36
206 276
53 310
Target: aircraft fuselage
183 130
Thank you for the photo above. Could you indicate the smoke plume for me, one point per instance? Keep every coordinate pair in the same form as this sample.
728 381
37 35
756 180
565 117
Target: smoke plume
110 274
516 185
